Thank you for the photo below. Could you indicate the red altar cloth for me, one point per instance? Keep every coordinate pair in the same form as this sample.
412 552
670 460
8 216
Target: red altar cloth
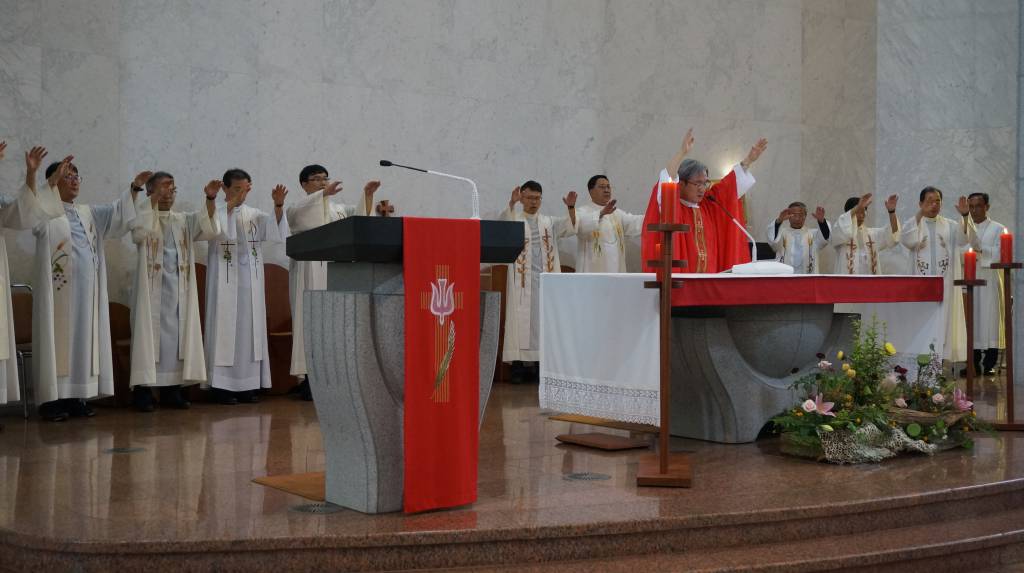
737 290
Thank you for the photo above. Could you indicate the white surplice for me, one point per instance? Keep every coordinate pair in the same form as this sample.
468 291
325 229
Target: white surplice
167 338
71 353
797 248
312 211
236 311
600 244
988 300
934 246
21 212
522 291
857 246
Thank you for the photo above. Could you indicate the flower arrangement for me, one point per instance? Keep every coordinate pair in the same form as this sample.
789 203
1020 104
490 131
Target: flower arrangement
862 408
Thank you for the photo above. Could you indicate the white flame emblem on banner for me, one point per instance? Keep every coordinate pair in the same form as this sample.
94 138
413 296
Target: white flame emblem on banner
442 299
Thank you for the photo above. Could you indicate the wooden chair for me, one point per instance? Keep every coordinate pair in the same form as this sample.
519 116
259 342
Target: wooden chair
21 304
279 328
121 352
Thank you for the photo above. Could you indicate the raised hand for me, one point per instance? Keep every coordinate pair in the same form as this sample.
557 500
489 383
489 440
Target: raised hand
3 149
517 195
862 204
333 188
62 171
212 188
570 199
609 208
370 188
141 178
819 214
755 152
688 141
784 215
34 159
890 203
962 206
278 195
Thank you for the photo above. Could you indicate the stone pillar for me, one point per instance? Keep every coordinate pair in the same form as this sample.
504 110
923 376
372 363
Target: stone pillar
1018 283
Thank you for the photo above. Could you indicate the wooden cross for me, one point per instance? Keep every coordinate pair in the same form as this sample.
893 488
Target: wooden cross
385 208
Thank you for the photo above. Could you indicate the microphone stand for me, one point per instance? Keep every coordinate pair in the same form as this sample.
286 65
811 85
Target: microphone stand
476 194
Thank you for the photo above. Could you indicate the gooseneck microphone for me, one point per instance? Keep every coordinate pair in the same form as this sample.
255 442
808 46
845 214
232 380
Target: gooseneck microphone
753 243
476 194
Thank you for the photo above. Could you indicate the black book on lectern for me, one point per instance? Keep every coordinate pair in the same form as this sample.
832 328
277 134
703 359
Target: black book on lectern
379 240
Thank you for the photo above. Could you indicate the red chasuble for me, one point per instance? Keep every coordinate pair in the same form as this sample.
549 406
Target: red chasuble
713 244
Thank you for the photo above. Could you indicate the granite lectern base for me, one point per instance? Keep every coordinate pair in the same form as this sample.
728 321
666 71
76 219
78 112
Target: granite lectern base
355 348
732 367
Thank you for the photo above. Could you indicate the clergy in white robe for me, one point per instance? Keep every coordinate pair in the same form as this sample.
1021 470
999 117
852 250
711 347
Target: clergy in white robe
539 255
167 338
858 246
237 359
934 243
602 230
988 300
314 210
23 211
71 352
795 243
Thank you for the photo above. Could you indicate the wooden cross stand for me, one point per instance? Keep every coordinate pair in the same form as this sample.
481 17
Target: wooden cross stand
664 469
969 319
1011 423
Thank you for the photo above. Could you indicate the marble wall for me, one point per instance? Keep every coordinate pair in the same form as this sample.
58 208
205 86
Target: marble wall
503 91
947 102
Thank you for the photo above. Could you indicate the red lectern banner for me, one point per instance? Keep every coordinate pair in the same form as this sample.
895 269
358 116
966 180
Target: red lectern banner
442 364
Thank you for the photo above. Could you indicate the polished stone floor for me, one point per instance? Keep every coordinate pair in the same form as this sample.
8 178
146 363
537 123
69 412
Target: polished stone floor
172 475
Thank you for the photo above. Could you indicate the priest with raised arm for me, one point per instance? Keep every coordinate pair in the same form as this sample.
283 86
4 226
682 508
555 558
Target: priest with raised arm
314 210
857 245
602 230
713 244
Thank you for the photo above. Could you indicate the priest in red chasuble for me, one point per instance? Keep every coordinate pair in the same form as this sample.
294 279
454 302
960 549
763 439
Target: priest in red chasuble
713 244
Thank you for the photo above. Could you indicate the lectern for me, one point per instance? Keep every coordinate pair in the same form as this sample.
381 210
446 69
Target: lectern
355 345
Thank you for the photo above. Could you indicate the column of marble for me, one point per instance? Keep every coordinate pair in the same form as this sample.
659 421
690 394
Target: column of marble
1018 281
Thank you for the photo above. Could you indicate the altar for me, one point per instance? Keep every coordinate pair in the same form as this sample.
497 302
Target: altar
738 342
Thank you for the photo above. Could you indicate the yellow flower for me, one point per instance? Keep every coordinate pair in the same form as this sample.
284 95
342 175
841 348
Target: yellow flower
858 420
846 366
890 349
849 398
839 355
851 373
799 414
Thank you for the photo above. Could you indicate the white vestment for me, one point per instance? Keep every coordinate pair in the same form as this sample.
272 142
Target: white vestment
988 300
522 291
236 311
312 211
24 211
71 354
934 246
167 338
797 248
600 244
857 246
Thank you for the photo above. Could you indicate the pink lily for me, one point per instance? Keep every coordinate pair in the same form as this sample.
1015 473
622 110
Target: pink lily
960 401
823 408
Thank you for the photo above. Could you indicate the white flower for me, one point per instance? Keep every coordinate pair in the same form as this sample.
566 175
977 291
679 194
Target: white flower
901 402
938 398
890 381
824 365
809 406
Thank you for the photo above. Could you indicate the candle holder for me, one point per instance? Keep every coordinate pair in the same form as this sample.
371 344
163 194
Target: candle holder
1011 423
664 469
969 285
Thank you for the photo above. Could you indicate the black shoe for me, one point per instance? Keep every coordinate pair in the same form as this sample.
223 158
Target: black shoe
80 409
170 397
307 393
53 411
248 397
142 399
224 397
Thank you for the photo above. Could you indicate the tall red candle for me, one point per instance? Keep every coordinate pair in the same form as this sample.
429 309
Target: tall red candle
669 201
970 265
1006 247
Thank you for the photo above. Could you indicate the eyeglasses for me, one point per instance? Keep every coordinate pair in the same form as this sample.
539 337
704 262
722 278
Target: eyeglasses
73 178
317 179
705 184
